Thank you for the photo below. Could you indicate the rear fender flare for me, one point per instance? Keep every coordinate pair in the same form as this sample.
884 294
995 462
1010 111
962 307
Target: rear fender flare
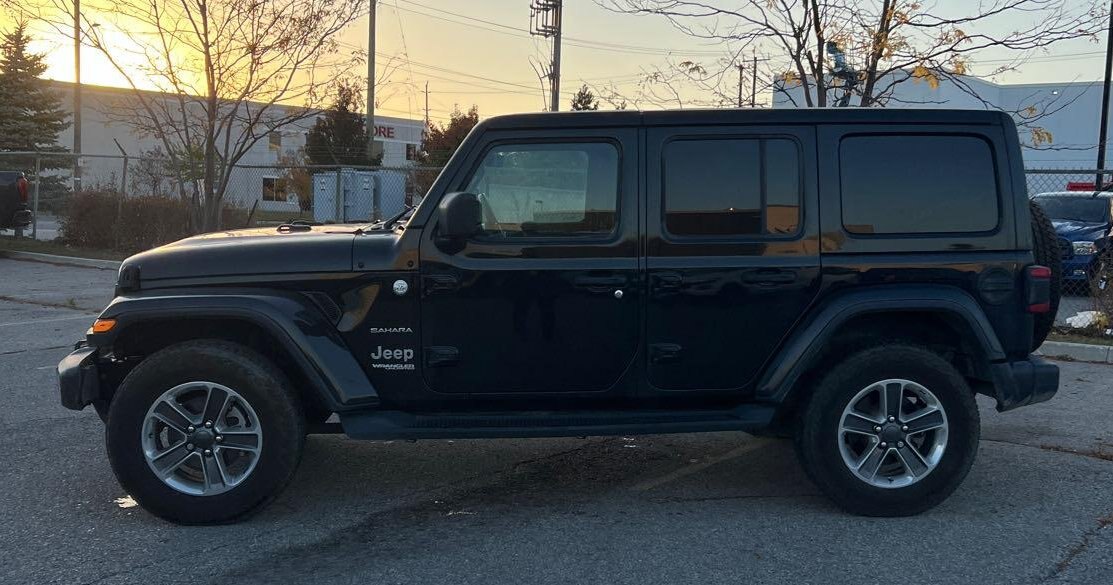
805 344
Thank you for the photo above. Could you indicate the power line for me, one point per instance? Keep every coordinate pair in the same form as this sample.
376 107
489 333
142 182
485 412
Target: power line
572 41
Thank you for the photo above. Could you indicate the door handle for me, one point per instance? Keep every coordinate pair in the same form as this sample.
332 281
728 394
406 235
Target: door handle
668 280
435 283
769 276
599 283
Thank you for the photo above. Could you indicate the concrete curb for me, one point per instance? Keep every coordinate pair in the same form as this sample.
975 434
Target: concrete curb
1083 352
63 260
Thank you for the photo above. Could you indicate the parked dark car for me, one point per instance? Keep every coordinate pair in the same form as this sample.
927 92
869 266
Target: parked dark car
605 273
1083 223
13 200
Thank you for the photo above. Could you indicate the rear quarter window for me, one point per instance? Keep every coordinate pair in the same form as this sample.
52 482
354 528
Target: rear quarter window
918 184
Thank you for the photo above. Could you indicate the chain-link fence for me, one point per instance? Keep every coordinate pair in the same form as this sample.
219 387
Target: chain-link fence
132 203
129 204
1082 222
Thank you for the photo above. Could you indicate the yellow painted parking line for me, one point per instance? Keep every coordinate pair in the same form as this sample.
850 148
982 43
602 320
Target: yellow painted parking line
747 447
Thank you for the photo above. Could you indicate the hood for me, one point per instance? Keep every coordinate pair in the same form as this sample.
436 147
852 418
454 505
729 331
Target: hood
250 251
1079 231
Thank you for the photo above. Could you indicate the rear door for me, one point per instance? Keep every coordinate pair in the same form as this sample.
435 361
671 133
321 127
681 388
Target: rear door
732 250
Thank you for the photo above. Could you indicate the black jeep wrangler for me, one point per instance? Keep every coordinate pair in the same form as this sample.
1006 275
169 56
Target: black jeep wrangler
851 278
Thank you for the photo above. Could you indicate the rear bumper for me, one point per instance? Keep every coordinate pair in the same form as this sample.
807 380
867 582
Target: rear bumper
78 379
22 218
1024 382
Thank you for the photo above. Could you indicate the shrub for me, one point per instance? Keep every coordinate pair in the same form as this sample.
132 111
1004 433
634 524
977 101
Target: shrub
103 219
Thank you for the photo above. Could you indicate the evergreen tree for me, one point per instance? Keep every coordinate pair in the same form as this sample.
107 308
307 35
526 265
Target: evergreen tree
584 100
339 137
442 140
31 114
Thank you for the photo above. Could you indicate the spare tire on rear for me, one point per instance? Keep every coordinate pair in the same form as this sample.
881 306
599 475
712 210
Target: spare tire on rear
1045 248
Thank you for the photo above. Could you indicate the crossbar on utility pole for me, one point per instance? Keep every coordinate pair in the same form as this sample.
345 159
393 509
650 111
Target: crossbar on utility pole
1103 131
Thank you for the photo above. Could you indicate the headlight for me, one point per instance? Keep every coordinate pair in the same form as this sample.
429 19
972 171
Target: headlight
1084 248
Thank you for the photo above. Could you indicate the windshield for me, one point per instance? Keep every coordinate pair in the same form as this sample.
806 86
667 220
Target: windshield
1088 209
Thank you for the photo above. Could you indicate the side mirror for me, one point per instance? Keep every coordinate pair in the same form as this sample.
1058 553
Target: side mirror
461 216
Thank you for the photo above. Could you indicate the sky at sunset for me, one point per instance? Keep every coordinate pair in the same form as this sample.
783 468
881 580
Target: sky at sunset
479 52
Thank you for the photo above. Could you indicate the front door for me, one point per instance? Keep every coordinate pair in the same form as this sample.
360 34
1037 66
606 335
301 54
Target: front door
732 250
546 298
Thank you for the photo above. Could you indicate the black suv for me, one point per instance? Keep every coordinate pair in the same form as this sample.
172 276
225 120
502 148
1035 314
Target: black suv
851 278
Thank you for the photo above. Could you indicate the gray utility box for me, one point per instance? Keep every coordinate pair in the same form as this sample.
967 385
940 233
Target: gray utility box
352 195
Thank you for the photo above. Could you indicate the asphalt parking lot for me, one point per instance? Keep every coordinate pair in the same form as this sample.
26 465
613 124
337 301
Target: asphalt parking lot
715 508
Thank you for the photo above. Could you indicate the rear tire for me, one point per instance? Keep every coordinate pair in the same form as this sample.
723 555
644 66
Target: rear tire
1045 248
161 413
839 456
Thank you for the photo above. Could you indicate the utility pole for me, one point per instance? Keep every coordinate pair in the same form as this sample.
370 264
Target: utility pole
376 203
426 104
753 83
740 84
77 95
545 21
371 81
1103 132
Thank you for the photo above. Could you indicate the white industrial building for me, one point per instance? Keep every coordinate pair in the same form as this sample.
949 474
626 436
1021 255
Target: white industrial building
1069 112
101 131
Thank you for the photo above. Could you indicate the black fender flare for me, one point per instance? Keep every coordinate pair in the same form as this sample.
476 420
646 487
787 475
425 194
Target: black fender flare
808 339
289 318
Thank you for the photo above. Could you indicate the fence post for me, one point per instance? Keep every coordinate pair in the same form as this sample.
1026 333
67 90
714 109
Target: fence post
376 197
339 203
35 199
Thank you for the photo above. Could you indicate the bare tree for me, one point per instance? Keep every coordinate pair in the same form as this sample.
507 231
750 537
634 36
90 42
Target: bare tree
857 52
227 74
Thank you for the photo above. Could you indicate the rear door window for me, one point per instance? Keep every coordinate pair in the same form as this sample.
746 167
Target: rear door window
918 184
732 187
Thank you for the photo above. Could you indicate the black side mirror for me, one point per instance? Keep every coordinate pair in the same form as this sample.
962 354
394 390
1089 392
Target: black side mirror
461 216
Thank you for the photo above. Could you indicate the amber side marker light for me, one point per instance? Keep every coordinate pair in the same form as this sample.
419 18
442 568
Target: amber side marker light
102 325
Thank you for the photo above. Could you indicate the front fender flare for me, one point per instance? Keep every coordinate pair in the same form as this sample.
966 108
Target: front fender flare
289 318
808 340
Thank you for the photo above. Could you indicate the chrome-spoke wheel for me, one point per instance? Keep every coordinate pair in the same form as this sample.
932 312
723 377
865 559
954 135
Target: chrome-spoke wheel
201 438
893 433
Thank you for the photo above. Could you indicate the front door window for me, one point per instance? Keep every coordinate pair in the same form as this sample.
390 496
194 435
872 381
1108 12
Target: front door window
548 190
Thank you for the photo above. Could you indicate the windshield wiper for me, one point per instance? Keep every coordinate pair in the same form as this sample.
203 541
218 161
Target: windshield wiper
388 223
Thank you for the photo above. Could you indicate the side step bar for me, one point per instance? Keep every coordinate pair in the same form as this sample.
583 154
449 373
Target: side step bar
387 424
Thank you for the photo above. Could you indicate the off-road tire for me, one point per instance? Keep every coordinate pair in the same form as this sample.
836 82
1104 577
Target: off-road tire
817 437
237 367
1045 248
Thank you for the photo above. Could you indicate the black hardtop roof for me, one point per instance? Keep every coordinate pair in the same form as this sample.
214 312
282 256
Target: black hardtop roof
746 116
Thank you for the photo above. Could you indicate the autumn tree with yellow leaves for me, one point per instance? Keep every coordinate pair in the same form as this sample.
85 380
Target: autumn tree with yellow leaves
857 52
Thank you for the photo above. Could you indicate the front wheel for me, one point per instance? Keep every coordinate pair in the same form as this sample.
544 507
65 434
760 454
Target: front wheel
891 431
204 432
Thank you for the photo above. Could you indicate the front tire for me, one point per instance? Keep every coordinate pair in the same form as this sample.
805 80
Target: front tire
204 432
891 431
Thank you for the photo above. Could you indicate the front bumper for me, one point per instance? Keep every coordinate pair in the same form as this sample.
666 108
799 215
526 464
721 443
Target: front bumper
78 378
1079 267
1024 382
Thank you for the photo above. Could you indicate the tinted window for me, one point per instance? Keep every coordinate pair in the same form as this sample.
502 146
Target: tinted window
548 189
912 184
1086 209
732 187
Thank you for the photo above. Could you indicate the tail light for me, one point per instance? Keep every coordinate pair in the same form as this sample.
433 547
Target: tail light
21 188
1039 289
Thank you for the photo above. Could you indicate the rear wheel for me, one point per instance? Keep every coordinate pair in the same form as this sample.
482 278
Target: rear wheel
204 432
891 431
1045 248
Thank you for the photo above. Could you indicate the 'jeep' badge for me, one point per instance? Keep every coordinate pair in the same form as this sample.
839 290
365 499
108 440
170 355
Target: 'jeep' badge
401 287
